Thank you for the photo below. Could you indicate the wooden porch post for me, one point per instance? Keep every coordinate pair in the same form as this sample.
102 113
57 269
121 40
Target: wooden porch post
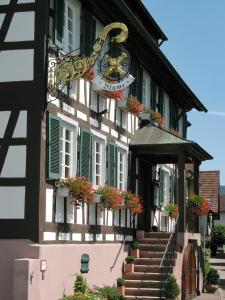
180 194
196 189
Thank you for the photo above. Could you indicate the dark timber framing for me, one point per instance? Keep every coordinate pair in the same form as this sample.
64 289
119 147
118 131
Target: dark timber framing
29 96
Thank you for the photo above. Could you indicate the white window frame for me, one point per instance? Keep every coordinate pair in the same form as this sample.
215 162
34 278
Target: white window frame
75 6
67 123
102 143
122 185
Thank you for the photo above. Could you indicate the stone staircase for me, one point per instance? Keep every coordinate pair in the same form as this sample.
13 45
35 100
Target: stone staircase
144 282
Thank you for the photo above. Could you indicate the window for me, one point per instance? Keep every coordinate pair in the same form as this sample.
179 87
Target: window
98 161
146 89
122 167
67 150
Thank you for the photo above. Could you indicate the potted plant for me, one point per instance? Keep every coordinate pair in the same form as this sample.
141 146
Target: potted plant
212 280
110 197
133 203
81 189
120 285
172 289
62 188
129 265
151 115
133 105
198 205
134 251
172 210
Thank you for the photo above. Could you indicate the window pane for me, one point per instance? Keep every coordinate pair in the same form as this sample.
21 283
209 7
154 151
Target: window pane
68 135
68 147
70 13
98 167
67 160
67 172
97 147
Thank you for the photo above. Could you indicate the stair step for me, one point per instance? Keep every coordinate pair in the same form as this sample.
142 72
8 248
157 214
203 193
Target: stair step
141 276
142 284
153 248
157 234
151 254
142 298
147 261
153 241
142 291
151 268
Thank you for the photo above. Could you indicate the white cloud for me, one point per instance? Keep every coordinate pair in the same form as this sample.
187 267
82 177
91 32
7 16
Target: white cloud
217 113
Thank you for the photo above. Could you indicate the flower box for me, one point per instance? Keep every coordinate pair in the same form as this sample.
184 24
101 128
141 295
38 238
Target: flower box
144 116
62 192
97 198
122 104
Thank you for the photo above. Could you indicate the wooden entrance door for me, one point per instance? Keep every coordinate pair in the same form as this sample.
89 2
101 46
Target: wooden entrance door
189 273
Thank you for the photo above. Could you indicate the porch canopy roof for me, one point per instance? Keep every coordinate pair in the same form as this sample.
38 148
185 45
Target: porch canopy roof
161 146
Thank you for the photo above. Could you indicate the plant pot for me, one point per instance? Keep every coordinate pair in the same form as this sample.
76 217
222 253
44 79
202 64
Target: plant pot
121 290
134 253
211 288
121 103
62 192
144 116
128 268
97 198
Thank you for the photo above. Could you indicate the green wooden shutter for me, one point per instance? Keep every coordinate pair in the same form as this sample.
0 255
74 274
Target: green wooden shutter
88 31
53 147
153 94
58 22
112 164
86 153
160 101
161 187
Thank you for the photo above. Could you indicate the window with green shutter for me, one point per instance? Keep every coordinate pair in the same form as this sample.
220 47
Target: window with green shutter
53 147
86 153
58 22
88 31
112 164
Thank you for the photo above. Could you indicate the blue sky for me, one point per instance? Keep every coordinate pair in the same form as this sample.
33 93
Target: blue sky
196 48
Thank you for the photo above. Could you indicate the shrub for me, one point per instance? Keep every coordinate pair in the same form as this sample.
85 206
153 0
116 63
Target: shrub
120 281
206 251
213 276
172 289
80 284
109 293
129 259
218 235
206 267
135 245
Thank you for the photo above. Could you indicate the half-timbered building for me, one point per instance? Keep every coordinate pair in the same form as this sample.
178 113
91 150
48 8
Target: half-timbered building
80 131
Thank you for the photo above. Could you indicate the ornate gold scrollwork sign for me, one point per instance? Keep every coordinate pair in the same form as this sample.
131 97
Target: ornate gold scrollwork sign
72 68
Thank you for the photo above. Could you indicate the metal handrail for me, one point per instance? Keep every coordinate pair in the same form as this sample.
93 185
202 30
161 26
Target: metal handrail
164 258
118 254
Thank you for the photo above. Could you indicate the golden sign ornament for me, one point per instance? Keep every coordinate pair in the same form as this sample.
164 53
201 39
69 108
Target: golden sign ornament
72 68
